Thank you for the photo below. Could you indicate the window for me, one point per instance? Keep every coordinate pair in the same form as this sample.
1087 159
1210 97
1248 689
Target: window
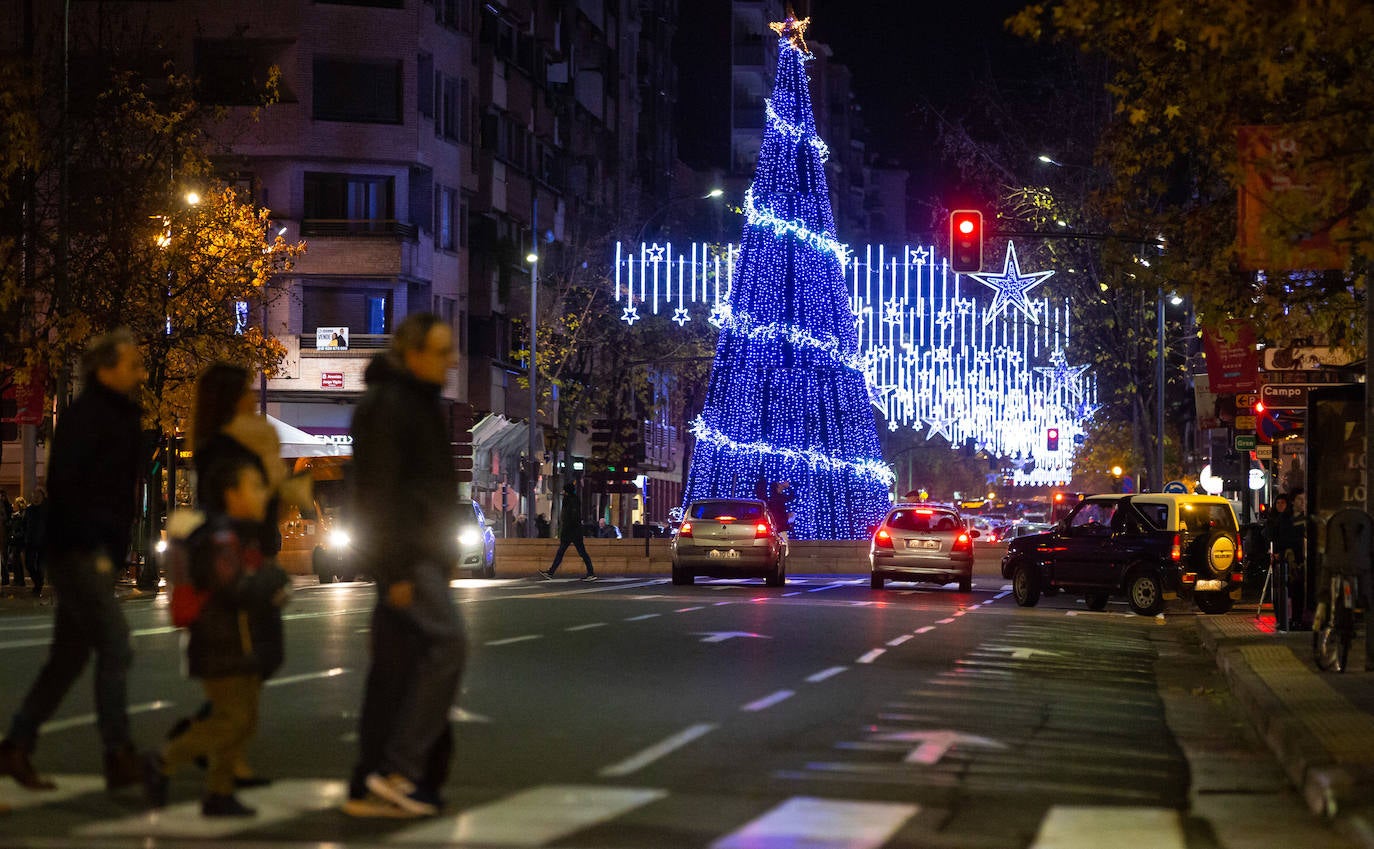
363 310
351 197
424 79
463 223
376 4
1094 516
366 91
449 114
922 520
445 219
376 314
455 14
743 511
234 71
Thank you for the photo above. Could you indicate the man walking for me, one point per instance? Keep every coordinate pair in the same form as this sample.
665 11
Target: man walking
405 509
570 533
92 501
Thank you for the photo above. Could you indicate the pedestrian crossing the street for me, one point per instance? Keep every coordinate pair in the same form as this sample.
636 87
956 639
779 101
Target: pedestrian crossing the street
292 810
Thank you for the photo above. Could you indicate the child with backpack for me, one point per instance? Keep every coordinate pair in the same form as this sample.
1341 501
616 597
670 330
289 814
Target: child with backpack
229 598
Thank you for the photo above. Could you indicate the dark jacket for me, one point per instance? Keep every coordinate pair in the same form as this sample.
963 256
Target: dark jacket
222 448
404 506
239 629
35 524
570 519
93 476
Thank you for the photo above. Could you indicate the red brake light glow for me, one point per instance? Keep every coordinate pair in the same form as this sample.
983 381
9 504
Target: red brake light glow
761 530
922 511
685 530
724 519
1176 552
883 539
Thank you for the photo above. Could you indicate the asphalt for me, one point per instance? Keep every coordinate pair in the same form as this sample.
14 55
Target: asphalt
1319 725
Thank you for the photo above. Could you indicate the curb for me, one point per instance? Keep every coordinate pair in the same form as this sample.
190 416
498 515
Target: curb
1335 789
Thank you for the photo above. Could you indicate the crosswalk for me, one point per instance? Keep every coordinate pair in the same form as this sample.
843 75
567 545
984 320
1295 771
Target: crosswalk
292 810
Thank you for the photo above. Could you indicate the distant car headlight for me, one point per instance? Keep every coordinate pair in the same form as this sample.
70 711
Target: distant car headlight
339 538
161 546
469 536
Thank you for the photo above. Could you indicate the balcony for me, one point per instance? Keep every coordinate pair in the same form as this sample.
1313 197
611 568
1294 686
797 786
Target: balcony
358 227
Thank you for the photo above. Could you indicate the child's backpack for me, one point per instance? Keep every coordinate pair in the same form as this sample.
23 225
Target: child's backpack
187 599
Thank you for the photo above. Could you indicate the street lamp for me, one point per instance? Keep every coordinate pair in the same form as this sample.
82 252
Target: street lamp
710 195
533 259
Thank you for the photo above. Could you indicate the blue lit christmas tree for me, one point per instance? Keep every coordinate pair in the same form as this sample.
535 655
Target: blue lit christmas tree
788 399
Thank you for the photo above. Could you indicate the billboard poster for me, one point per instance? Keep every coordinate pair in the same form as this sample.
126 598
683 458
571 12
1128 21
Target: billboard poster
1232 362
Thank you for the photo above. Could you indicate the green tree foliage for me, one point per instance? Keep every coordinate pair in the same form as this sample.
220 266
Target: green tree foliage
1184 76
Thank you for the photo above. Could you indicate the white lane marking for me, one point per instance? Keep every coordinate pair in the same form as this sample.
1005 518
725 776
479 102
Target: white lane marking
723 603
768 701
643 758
305 676
687 609
821 824
89 718
1069 827
45 626
933 745
824 674
641 617
871 656
897 641
925 630
794 592
68 787
606 587
1006 591
586 627
458 714
827 587
284 800
508 640
722 636
534 817
944 621
990 601
26 644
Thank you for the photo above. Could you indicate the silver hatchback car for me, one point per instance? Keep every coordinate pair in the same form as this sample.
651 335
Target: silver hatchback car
922 543
729 538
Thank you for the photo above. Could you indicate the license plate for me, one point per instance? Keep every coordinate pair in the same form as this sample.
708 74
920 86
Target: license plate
930 544
728 554
1210 585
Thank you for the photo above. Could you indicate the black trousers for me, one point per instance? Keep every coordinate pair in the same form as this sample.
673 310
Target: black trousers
397 648
581 549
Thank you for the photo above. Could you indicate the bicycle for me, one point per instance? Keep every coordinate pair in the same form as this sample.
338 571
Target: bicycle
1333 628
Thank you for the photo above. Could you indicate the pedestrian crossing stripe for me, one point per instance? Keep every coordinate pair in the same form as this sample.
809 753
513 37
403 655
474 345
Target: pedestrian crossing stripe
533 817
285 799
546 814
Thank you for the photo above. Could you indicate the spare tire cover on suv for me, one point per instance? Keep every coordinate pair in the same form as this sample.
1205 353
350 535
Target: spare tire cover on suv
1215 552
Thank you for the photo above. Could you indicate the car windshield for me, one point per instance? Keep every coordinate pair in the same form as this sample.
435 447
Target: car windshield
923 520
467 513
741 510
1197 519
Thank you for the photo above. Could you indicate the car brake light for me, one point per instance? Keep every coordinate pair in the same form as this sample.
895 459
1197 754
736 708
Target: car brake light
725 519
1240 552
685 530
963 542
1176 552
1189 577
1237 577
924 512
761 530
883 540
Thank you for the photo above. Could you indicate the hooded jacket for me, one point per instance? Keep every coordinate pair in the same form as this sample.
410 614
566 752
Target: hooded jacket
405 490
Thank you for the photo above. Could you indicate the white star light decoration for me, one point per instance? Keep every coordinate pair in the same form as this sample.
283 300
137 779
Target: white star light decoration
1011 287
680 316
630 315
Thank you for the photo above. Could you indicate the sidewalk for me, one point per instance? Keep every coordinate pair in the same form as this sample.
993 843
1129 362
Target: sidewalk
1320 725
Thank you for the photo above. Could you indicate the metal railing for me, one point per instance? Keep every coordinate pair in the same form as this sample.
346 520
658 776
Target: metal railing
364 227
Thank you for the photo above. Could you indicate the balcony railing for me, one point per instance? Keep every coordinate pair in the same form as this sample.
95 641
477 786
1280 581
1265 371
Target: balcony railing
356 341
363 227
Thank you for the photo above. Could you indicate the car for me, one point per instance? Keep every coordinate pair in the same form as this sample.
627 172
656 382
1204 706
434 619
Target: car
917 542
1151 548
1025 529
729 538
333 558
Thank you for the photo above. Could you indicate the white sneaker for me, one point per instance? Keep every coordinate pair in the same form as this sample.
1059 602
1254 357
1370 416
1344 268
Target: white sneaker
397 789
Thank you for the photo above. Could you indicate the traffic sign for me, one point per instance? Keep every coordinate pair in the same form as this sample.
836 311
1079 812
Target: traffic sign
1245 422
1246 400
1291 396
1264 452
1245 442
1176 487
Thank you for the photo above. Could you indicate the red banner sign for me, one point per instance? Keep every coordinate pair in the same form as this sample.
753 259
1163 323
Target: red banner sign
331 380
1232 363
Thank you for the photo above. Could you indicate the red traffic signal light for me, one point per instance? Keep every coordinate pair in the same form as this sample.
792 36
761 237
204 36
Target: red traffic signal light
966 240
1052 439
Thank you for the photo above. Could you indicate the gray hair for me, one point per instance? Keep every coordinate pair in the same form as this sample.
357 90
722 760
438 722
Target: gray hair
103 352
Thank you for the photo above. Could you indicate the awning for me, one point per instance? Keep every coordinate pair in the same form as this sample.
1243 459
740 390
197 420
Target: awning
297 443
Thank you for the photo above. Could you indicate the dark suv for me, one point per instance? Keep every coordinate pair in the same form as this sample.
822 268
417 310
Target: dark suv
1150 548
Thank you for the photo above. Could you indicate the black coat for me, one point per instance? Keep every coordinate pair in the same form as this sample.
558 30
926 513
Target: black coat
93 475
222 448
570 519
404 507
239 629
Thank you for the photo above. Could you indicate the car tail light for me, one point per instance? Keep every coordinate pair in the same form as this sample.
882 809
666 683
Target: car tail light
921 511
1240 552
761 530
1190 577
1237 577
963 542
1176 552
883 539
725 519
685 530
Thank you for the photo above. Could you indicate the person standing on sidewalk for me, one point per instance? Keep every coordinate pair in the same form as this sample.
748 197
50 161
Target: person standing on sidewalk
92 480
35 530
570 533
405 512
14 544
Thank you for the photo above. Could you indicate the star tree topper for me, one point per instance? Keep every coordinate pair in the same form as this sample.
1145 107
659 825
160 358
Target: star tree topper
792 29
1011 287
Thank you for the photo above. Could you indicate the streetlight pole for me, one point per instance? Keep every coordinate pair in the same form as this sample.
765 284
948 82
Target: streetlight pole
1158 484
534 363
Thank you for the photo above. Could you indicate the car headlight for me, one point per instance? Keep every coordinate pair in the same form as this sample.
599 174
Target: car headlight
469 536
161 546
339 538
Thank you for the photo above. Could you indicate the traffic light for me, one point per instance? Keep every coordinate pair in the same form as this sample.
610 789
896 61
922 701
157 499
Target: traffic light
966 240
1052 439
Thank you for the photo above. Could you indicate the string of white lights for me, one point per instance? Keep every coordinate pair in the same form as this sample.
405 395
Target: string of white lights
759 216
872 470
795 132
